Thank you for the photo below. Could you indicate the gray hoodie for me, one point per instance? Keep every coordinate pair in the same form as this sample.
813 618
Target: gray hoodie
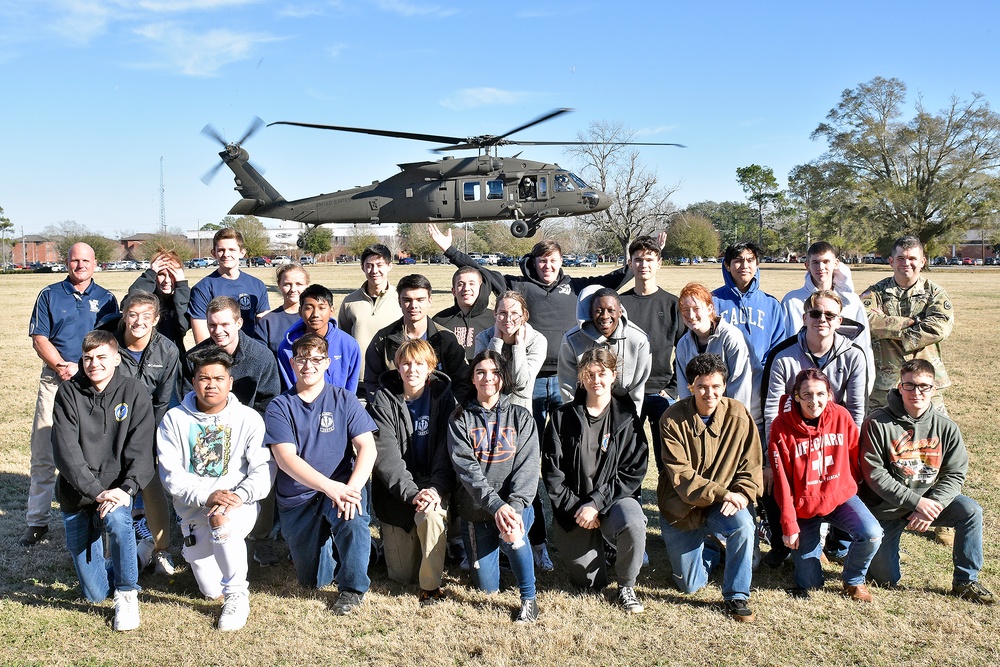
525 360
845 366
628 341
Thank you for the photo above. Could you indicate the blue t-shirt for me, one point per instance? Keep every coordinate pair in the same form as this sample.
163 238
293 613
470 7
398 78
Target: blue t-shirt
420 417
65 316
321 431
249 291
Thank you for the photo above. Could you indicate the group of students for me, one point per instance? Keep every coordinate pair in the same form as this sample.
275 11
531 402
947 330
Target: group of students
452 417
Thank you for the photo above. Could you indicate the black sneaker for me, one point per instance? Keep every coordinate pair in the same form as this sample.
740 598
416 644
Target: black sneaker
775 557
974 592
528 613
628 600
347 602
740 611
264 554
428 598
33 535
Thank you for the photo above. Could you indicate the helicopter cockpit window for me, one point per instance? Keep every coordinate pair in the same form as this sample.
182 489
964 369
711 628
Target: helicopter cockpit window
562 183
579 181
494 189
471 191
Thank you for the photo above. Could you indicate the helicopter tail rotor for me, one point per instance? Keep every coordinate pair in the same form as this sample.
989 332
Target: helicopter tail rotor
233 149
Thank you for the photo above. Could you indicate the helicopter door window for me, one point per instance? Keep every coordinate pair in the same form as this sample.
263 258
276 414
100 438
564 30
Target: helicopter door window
471 190
494 189
562 183
543 191
526 188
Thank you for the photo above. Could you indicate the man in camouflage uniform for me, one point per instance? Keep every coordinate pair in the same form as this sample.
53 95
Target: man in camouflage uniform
909 318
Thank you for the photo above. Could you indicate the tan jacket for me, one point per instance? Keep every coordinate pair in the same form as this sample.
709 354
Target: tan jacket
362 316
702 463
888 306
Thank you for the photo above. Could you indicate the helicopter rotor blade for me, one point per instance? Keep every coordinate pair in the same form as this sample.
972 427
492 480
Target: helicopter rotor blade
212 133
380 133
541 119
592 143
209 175
251 130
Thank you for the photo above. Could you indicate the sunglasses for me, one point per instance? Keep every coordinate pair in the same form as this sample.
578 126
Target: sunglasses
825 314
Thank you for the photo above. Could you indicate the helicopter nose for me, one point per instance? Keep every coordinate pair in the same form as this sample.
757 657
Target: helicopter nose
593 201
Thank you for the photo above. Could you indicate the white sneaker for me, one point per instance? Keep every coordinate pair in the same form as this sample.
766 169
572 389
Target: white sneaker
542 560
235 612
163 563
144 553
126 610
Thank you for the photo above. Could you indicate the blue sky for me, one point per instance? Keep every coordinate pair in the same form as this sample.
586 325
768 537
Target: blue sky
94 92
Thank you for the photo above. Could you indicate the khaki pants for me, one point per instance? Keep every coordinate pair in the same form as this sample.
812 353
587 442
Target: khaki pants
42 486
418 554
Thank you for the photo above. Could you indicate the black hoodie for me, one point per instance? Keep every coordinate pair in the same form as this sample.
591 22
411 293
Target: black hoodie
467 327
101 440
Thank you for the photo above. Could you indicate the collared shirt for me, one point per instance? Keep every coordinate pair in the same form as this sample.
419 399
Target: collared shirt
65 316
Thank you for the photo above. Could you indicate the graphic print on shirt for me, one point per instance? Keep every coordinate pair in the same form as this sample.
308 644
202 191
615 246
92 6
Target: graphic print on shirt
466 336
493 445
820 452
210 449
916 460
245 303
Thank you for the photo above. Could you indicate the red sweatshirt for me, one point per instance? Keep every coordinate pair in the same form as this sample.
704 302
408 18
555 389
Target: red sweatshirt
816 468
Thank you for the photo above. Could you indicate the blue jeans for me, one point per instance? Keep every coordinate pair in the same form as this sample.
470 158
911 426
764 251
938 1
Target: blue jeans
483 545
964 515
83 539
691 562
855 519
653 407
313 532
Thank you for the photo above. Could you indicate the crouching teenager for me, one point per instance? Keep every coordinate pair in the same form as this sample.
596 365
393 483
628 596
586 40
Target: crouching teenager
814 454
494 449
413 474
322 440
102 426
594 460
214 464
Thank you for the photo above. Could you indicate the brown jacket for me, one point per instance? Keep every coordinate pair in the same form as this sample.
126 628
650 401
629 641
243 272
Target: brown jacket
701 463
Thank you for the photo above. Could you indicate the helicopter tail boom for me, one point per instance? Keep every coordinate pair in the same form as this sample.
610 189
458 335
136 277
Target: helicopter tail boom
256 192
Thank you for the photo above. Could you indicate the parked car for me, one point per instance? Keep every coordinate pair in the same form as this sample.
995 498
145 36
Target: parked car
198 263
990 261
260 261
438 259
407 260
281 259
507 260
307 260
967 261
978 262
940 260
955 261
587 260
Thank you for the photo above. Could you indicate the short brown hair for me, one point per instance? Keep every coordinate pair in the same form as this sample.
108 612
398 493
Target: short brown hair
290 266
601 356
97 338
513 295
227 233
220 303
416 349
546 247
811 300
310 341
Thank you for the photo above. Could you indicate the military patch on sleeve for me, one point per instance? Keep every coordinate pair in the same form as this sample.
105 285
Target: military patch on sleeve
947 305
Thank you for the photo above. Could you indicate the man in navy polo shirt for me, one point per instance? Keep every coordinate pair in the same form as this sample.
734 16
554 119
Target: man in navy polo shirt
64 313
322 439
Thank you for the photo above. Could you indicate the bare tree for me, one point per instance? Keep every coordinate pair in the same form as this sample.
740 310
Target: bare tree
639 204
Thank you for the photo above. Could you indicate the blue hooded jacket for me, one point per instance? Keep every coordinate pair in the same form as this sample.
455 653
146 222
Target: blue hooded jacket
344 352
755 313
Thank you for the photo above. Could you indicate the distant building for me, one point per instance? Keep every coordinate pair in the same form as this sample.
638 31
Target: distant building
977 244
34 248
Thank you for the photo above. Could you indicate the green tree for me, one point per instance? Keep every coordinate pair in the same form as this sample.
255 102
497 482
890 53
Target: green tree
6 226
934 175
360 238
176 242
763 194
734 220
497 238
316 240
68 232
639 204
255 239
691 235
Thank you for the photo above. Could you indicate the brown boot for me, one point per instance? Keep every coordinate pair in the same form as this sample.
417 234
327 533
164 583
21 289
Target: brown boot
944 535
859 593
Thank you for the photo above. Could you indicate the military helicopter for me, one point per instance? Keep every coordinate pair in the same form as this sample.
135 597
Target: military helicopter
484 187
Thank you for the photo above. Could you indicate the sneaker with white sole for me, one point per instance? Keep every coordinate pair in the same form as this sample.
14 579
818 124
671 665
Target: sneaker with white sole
542 560
347 602
163 563
628 600
144 553
235 612
126 610
528 612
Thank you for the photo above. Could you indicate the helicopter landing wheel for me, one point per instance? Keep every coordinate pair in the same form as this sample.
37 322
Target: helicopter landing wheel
520 229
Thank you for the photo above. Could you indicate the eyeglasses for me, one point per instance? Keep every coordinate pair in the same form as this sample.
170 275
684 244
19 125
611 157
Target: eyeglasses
825 314
316 362
504 315
920 388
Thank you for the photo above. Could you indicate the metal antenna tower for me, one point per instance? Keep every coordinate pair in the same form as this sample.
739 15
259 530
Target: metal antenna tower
163 209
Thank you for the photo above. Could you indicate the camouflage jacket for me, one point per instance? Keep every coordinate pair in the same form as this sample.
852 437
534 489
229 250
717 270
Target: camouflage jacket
888 306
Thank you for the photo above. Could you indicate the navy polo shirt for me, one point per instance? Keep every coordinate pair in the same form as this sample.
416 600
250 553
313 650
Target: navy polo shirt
65 316
321 431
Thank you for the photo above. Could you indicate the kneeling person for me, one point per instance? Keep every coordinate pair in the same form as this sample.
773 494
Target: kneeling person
711 473
321 438
102 426
214 465
914 464
413 473
594 458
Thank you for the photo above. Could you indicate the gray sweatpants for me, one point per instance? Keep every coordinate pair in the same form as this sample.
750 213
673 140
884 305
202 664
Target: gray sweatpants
622 524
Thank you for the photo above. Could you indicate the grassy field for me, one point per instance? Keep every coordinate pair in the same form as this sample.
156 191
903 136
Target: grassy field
43 620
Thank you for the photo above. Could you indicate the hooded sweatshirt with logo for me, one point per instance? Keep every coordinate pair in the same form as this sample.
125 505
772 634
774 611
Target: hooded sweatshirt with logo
816 468
552 307
345 357
756 314
904 459
200 453
100 439
495 454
